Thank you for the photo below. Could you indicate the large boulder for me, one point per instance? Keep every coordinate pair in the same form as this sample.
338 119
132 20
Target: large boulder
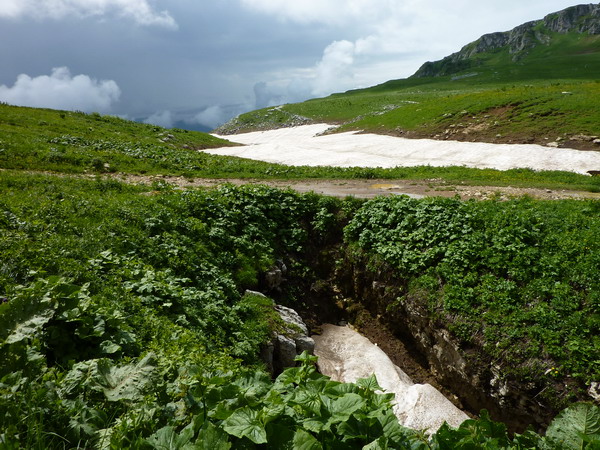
289 341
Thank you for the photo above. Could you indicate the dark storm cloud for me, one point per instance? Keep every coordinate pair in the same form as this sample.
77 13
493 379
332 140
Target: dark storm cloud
184 61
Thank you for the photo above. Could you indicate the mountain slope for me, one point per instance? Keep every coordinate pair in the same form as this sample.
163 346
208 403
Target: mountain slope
573 33
537 83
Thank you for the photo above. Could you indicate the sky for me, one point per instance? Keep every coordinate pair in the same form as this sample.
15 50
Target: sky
197 63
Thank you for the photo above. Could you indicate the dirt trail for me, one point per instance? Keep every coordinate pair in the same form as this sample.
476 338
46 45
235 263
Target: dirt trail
357 188
372 188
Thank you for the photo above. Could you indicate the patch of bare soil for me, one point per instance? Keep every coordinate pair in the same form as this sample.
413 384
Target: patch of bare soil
490 127
372 188
366 189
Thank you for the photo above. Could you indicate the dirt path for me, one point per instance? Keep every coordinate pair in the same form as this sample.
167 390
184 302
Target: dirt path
357 188
372 188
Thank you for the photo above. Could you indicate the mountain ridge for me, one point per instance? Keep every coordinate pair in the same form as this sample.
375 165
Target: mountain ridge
580 19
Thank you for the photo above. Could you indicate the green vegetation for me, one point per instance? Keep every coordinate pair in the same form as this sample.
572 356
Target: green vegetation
76 143
123 322
517 279
548 92
536 111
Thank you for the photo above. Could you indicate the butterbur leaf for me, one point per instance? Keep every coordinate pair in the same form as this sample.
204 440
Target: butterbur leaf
77 377
354 428
127 382
369 383
108 347
167 438
306 358
392 428
23 318
345 406
306 441
309 401
315 425
246 423
212 438
379 444
576 426
281 437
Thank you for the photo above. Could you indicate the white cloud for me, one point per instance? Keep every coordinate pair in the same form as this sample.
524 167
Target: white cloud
335 70
161 118
212 116
60 90
139 11
332 12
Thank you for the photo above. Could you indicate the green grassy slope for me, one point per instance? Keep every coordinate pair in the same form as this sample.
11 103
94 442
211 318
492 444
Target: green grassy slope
76 143
548 94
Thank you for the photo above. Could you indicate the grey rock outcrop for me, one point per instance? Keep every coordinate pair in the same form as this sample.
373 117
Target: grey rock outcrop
287 343
579 19
275 276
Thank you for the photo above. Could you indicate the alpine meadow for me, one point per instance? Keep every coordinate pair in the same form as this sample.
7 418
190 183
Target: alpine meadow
136 313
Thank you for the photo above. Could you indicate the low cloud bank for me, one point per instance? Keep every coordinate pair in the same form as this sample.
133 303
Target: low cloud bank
161 118
61 90
139 11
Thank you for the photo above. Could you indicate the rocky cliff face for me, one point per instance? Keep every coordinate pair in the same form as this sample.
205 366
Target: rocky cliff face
579 19
465 369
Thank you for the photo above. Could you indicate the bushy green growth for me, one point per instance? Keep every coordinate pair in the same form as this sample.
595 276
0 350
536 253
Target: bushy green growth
110 290
123 323
518 278
118 146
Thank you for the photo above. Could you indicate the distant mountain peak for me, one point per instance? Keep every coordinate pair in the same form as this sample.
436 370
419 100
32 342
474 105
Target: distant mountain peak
582 19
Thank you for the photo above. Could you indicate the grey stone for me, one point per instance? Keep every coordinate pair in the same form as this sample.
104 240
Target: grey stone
259 294
290 316
285 352
305 343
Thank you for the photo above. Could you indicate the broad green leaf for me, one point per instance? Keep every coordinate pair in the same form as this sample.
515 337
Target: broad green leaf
369 383
246 423
109 347
353 428
127 382
281 437
272 412
379 444
24 317
392 428
306 358
308 401
79 374
168 439
29 327
212 438
336 389
316 425
575 425
306 441
345 406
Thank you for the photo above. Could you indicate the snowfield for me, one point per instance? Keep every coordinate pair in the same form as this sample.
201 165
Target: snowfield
303 146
